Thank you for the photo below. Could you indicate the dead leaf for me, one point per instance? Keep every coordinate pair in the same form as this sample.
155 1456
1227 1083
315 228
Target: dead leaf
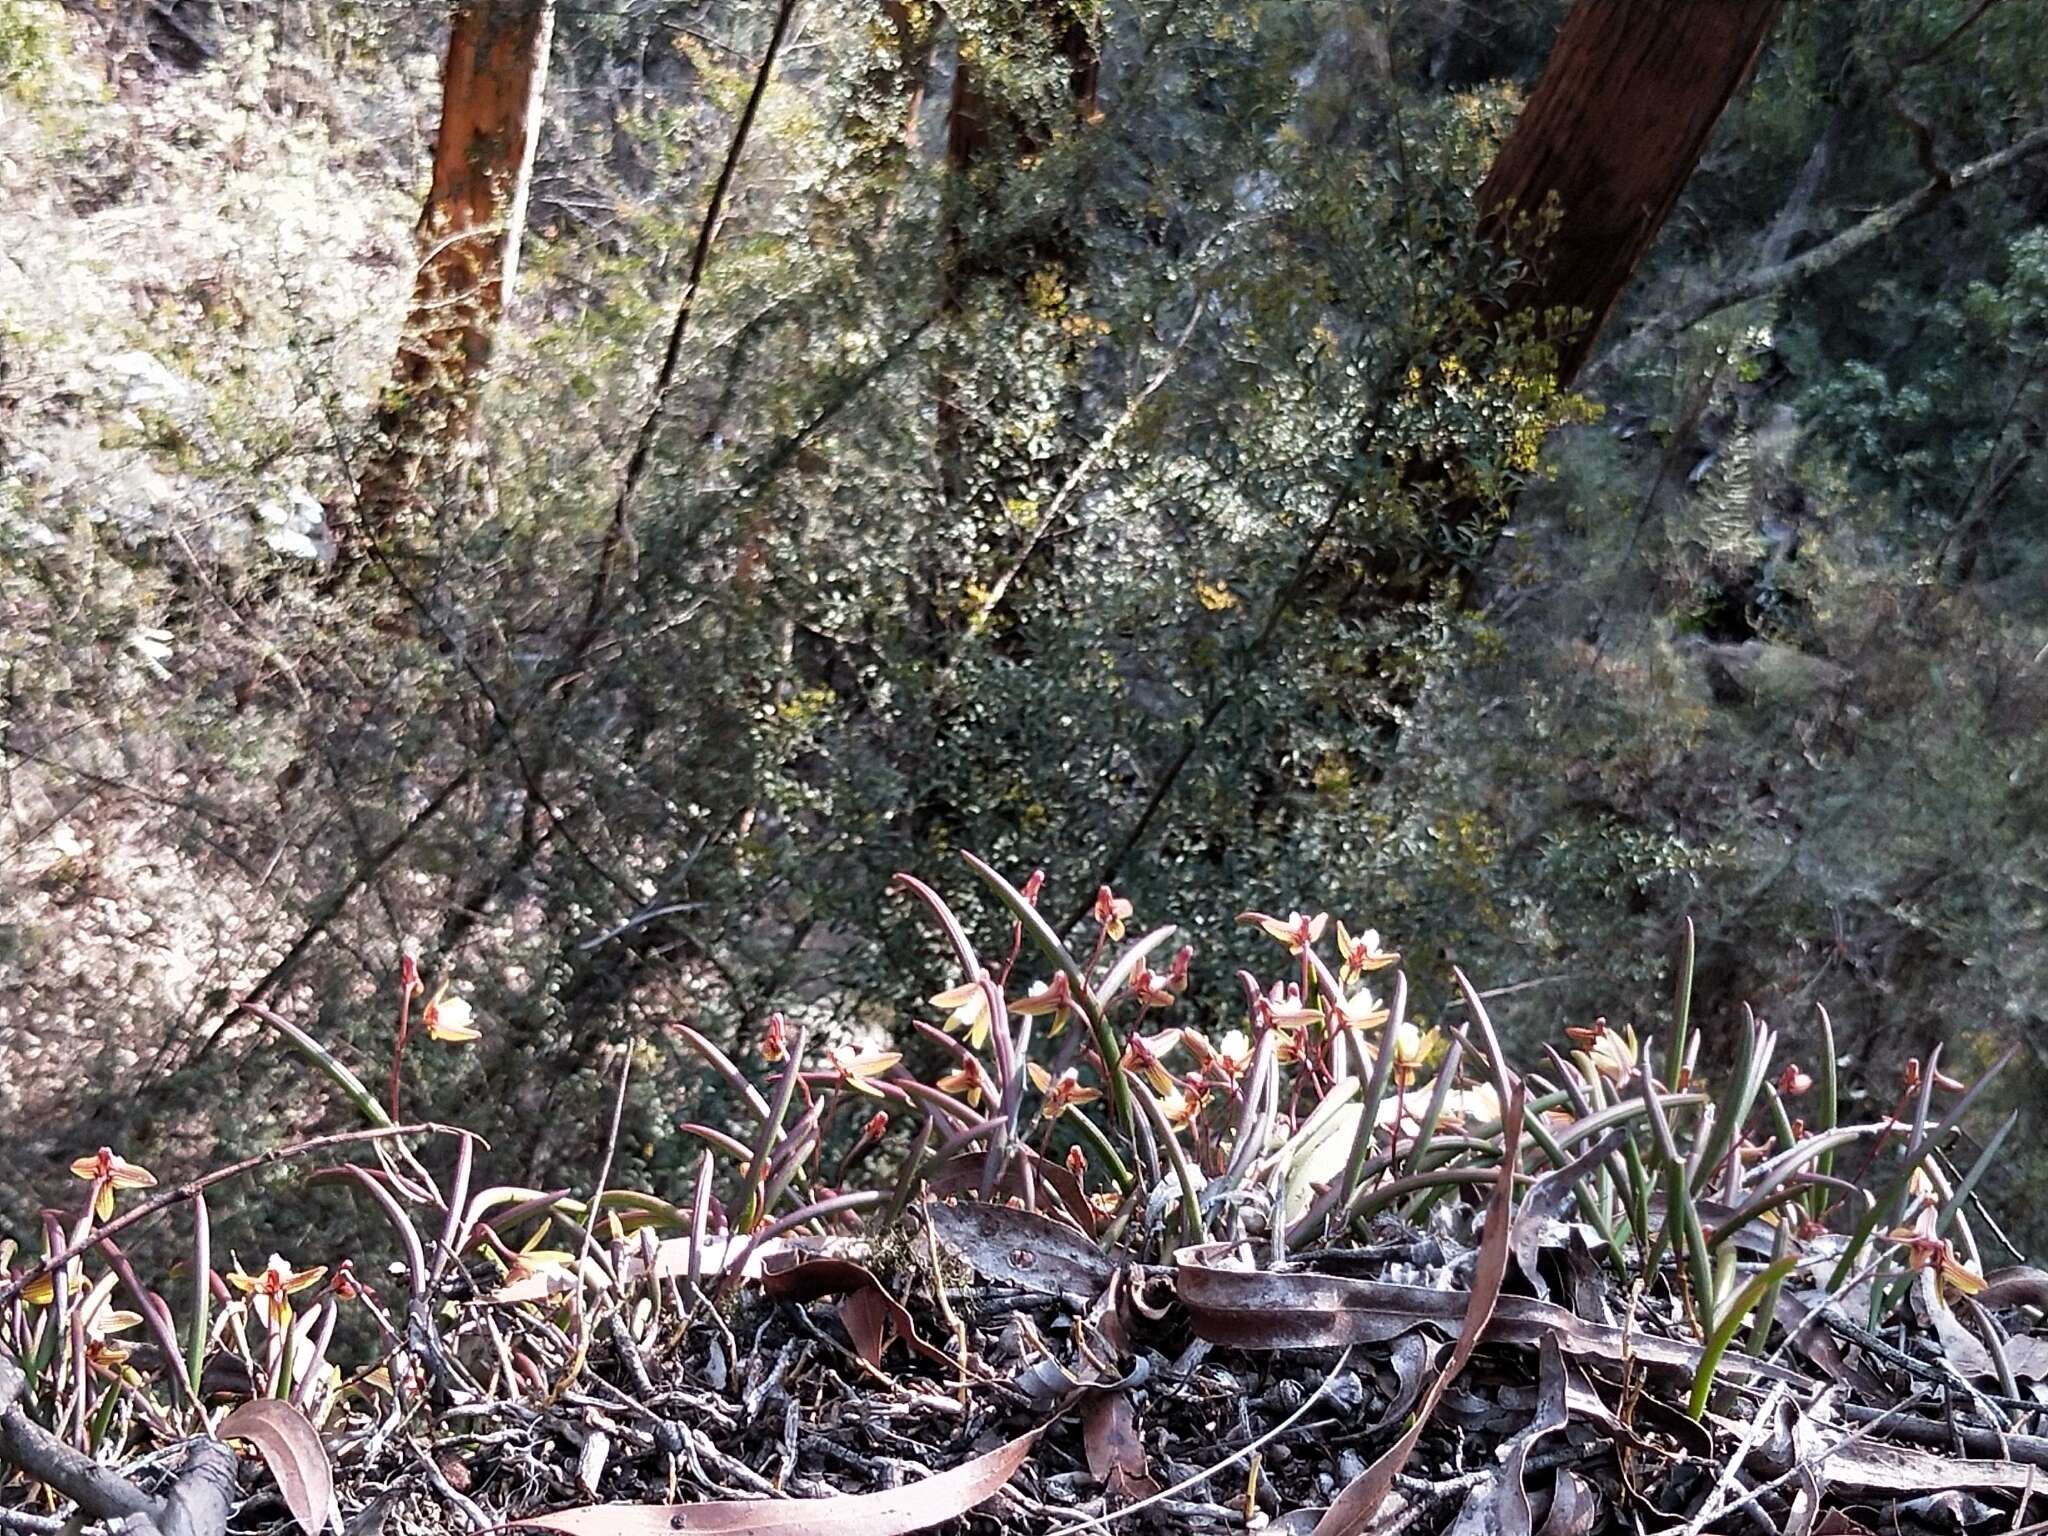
963 1171
1361 1498
891 1512
1479 1515
1116 1450
872 1316
1409 1361
1032 1252
1229 1302
1551 1412
865 1315
1875 1466
1540 1223
1574 1507
290 1446
2018 1286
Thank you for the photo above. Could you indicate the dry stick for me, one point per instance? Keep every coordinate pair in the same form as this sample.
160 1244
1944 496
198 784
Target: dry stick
650 426
330 908
1099 1522
1759 281
611 1147
99 1491
1081 471
191 1187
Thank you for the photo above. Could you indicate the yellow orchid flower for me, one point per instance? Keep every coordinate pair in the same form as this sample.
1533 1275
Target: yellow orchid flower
1605 1053
1361 1010
1229 1057
1055 997
449 1019
1111 911
1142 1055
1286 1011
1297 931
856 1067
1936 1253
1361 952
101 1322
1412 1049
271 1287
1152 988
966 1082
109 1171
968 1010
1061 1093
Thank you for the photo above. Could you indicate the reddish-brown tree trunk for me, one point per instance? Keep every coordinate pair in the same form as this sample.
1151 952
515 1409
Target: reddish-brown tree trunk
469 230
1611 134
1627 101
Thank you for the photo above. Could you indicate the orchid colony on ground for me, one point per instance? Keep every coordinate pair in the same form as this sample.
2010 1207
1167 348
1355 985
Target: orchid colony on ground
1233 1183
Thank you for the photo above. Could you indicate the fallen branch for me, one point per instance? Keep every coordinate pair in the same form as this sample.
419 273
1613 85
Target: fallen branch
196 1505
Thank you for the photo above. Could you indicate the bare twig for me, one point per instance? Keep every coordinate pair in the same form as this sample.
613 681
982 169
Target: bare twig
331 906
196 1505
1100 1522
191 1187
619 529
611 1147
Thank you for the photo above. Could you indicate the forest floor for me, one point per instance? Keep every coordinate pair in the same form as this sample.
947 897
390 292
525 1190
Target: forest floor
1483 1372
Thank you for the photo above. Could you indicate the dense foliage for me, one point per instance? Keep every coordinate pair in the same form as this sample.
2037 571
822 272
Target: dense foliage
1019 506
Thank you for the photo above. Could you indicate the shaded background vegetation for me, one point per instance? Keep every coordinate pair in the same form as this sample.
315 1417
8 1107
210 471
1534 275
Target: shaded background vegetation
965 527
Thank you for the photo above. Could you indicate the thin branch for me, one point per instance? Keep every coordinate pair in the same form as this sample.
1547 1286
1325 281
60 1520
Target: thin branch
1086 466
650 427
191 1187
100 1492
1760 281
330 907
1955 32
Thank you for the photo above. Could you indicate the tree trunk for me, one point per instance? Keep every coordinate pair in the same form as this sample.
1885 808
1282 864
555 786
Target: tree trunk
1611 134
1627 100
469 231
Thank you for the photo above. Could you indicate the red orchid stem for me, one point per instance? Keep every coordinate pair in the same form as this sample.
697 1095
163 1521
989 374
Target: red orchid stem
1095 954
1016 948
398 1050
